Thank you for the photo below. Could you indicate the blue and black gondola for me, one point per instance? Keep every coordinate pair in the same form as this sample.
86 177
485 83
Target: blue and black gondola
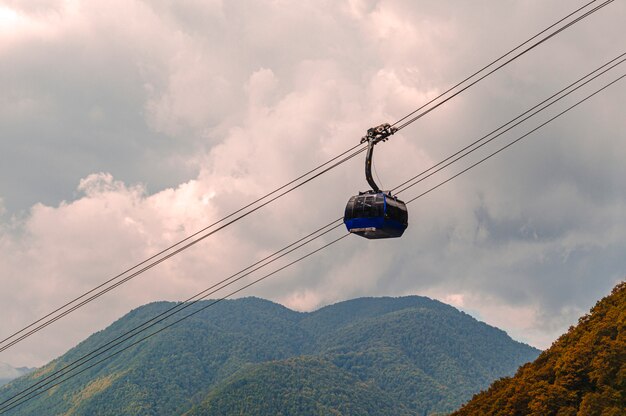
376 215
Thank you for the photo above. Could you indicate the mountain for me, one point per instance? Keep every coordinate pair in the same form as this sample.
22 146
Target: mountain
8 373
582 373
368 356
298 386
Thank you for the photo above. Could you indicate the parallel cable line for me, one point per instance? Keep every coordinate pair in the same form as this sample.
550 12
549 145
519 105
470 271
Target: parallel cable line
184 305
551 35
516 140
155 256
171 254
512 123
495 61
38 392
33 393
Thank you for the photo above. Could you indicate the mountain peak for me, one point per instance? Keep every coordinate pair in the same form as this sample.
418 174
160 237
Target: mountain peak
357 357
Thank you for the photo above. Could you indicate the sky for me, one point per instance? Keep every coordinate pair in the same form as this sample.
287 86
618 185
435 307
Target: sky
127 125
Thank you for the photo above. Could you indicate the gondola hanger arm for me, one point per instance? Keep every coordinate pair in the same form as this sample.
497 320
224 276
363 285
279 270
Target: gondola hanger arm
375 135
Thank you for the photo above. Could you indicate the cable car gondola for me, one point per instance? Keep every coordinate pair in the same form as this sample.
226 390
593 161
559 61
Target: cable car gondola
375 213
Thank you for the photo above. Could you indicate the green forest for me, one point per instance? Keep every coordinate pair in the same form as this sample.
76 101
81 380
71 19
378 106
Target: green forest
368 356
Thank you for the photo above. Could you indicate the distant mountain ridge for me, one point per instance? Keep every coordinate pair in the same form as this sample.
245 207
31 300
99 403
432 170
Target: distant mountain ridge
369 356
8 373
582 374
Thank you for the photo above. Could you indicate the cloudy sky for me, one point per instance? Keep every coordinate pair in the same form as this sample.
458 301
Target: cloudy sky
126 125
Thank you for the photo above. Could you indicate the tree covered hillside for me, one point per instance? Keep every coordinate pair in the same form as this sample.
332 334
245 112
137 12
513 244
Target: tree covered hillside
298 386
370 356
582 374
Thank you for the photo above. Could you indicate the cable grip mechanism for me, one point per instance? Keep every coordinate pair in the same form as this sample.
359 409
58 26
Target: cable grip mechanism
378 133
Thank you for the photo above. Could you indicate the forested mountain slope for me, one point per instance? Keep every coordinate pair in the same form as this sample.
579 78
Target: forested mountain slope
369 356
582 374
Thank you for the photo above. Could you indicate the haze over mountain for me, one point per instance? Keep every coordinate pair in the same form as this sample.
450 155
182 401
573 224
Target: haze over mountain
368 356
8 373
582 374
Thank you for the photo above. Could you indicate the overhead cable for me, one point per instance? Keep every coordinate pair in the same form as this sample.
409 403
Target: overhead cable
37 392
516 140
531 47
472 147
149 265
179 307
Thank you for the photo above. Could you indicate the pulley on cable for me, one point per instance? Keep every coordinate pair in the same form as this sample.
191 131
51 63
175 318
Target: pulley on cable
375 213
